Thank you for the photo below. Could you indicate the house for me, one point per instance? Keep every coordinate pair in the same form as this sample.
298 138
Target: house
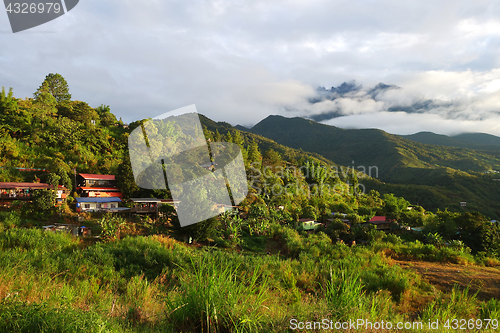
93 204
381 223
222 208
24 191
75 230
145 205
308 224
91 185
150 205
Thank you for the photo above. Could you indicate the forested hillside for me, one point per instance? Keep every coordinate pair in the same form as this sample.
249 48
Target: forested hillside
440 176
479 141
57 133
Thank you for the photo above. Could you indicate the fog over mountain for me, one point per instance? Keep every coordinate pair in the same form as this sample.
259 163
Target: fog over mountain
400 111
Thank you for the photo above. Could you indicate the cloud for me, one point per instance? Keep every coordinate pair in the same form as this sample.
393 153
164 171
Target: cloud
240 60
404 123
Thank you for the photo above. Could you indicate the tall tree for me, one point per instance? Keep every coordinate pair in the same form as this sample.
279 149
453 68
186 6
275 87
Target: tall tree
254 154
57 87
217 136
44 104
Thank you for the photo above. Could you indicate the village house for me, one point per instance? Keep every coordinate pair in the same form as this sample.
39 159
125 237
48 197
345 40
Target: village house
94 204
308 224
381 223
100 186
10 191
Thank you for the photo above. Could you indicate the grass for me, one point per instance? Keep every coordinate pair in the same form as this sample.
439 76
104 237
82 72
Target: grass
218 297
52 282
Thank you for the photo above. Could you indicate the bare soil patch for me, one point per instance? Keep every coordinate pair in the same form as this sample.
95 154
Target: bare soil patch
444 276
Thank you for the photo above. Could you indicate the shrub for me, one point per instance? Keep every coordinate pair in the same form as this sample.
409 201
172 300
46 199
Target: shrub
9 220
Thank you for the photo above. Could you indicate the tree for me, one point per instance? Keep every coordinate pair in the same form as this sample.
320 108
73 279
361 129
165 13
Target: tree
45 103
107 118
57 87
125 178
53 179
254 154
11 116
394 206
272 158
43 200
238 139
229 137
217 136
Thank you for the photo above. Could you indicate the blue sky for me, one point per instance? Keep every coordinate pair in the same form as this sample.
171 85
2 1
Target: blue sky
240 61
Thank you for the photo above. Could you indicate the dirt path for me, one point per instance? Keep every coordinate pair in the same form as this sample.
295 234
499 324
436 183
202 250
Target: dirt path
444 276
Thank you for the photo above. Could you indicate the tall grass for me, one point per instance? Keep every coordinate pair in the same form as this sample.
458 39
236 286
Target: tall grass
218 298
459 304
25 317
344 293
156 284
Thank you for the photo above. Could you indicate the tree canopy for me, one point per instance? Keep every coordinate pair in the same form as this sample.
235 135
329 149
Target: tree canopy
57 86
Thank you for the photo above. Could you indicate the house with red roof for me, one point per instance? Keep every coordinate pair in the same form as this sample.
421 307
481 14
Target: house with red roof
381 223
100 186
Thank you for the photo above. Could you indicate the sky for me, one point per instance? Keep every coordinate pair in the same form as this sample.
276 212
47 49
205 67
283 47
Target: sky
241 60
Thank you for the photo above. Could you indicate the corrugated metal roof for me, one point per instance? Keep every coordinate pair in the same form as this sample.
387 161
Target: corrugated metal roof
145 200
34 186
98 177
107 199
111 189
378 219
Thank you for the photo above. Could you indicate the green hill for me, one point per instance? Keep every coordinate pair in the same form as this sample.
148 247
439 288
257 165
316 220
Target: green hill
263 142
478 141
479 138
372 147
439 176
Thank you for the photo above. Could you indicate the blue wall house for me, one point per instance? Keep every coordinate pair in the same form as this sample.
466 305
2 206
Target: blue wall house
97 204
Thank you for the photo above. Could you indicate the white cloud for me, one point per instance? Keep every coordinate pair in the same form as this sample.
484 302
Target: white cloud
240 60
403 123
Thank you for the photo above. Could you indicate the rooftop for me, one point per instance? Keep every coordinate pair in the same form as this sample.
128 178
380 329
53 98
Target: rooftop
107 199
379 219
34 186
99 177
145 200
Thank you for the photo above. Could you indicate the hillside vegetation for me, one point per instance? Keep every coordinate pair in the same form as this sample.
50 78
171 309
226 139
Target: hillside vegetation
439 176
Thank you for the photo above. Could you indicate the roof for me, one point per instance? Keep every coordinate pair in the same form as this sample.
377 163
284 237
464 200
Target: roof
86 188
169 201
107 199
306 220
34 186
118 209
99 177
379 222
145 200
378 219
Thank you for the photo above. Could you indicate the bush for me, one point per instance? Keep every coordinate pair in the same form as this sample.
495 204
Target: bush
9 220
